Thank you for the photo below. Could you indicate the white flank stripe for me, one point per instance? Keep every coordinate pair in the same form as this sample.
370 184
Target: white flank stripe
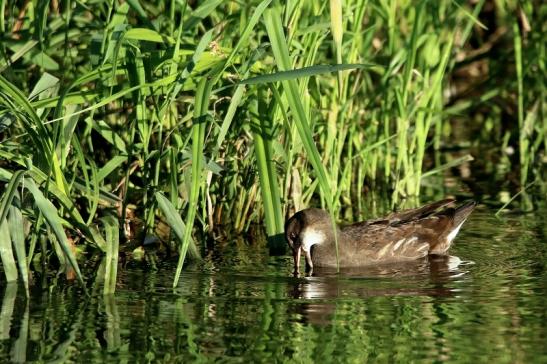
453 233
311 237
398 244
425 246
385 249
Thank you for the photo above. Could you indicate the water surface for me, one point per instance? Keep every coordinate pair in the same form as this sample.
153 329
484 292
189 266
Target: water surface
486 303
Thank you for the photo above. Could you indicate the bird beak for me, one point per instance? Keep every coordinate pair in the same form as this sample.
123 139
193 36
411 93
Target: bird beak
296 255
309 264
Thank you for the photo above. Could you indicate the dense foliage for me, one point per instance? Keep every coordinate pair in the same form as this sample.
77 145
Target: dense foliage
117 114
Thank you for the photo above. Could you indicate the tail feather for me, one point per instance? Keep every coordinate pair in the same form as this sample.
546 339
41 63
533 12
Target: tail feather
463 211
458 216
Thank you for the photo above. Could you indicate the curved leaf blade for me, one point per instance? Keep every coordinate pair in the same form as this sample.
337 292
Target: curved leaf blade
54 221
304 72
176 224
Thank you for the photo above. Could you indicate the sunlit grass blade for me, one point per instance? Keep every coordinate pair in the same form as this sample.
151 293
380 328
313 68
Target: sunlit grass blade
450 164
148 35
524 139
253 20
522 191
304 72
98 238
337 29
201 103
112 246
230 113
281 53
411 55
237 97
165 81
262 134
46 83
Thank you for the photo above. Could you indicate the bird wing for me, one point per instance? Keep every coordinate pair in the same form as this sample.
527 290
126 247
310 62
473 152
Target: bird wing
408 234
393 240
401 217
418 213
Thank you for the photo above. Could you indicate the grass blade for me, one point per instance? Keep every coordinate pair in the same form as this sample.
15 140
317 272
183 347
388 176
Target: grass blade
450 164
54 221
6 253
198 137
11 189
112 246
176 224
253 20
304 72
17 232
36 130
281 54
262 134
337 29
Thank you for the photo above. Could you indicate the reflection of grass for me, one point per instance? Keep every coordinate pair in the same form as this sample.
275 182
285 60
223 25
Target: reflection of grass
251 313
107 108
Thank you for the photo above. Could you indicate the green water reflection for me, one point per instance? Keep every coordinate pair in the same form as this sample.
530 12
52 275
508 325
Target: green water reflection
487 305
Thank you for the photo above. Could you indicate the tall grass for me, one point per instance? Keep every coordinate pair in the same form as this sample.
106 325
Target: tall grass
218 115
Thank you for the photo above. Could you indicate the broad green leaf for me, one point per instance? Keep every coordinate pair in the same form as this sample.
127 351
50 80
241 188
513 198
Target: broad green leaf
110 166
43 60
46 82
148 35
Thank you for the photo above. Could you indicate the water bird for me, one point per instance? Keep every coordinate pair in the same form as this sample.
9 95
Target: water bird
401 236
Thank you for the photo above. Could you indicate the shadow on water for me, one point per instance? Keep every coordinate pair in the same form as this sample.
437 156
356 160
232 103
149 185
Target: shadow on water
486 303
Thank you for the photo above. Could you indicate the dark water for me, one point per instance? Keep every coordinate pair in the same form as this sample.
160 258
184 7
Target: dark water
487 303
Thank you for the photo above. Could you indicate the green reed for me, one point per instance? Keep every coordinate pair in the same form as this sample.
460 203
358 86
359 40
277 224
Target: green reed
216 116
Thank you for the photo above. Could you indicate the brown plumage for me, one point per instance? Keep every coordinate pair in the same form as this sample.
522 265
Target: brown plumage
401 236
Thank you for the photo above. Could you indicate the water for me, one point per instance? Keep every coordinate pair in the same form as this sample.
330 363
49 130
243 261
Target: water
487 303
